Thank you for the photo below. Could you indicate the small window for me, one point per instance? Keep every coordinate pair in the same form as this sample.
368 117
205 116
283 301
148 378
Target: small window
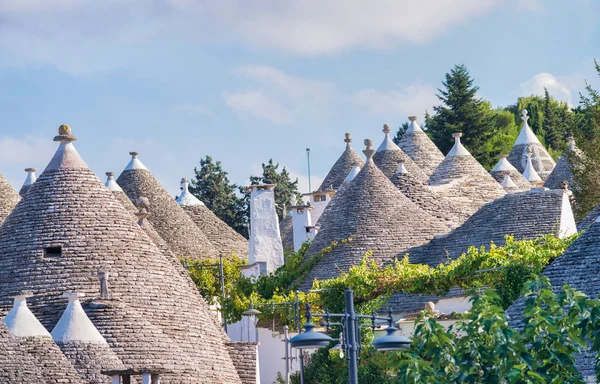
51 252
307 230
323 198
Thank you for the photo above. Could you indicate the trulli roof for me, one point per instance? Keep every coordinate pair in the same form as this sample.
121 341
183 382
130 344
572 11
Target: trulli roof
179 231
419 147
503 168
348 160
70 227
378 218
528 144
8 198
462 179
389 155
524 215
562 171
30 179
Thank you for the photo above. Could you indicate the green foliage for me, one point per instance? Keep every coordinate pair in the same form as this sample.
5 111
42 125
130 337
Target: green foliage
483 348
462 111
211 185
403 127
586 168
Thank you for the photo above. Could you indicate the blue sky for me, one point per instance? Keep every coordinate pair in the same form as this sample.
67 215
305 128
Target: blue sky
245 81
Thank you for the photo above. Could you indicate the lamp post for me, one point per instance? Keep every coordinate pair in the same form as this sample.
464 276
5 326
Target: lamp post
351 325
295 305
308 160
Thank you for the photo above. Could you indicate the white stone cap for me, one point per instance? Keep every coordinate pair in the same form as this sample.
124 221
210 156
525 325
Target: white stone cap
21 322
134 163
352 174
111 183
186 198
31 177
458 149
261 186
66 155
526 136
74 325
507 182
413 126
530 173
503 165
387 144
401 169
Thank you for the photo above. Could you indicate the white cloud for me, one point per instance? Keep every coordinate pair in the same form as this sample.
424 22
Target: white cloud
198 109
557 87
259 105
411 100
81 36
276 96
26 151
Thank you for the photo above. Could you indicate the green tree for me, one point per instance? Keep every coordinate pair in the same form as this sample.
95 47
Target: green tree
212 186
586 168
286 191
403 127
462 111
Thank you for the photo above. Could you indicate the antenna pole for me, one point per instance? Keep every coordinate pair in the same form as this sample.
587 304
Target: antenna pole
308 159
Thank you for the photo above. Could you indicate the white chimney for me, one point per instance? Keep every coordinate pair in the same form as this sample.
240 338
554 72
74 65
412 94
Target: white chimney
265 240
319 201
302 226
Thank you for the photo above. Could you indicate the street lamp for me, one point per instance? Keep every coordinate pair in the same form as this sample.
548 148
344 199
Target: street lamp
251 313
351 326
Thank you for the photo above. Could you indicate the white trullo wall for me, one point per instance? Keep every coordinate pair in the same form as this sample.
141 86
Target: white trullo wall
265 240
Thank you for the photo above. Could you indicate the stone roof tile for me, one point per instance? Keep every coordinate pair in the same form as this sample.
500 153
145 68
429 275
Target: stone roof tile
389 155
348 160
419 147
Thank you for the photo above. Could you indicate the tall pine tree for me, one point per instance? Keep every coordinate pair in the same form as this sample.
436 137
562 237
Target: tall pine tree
212 186
462 111
400 133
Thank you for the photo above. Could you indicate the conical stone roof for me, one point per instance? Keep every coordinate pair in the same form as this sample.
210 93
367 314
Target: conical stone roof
509 185
30 179
504 168
169 219
224 238
524 215
419 193
419 147
562 171
36 341
70 227
462 179
17 366
8 198
376 215
348 160
286 229
389 155
578 267
528 144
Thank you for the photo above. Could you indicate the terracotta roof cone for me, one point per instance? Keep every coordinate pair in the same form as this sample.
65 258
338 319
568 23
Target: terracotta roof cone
68 228
524 215
528 144
530 174
389 155
348 160
562 171
37 342
30 179
462 179
419 193
224 238
8 198
82 344
376 215
171 222
504 168
419 147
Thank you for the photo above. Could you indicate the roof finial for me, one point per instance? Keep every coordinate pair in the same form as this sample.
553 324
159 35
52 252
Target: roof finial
348 139
386 129
571 140
502 157
134 163
134 154
369 152
524 116
103 277
401 168
458 149
64 134
111 175
31 177
29 170
412 118
143 205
